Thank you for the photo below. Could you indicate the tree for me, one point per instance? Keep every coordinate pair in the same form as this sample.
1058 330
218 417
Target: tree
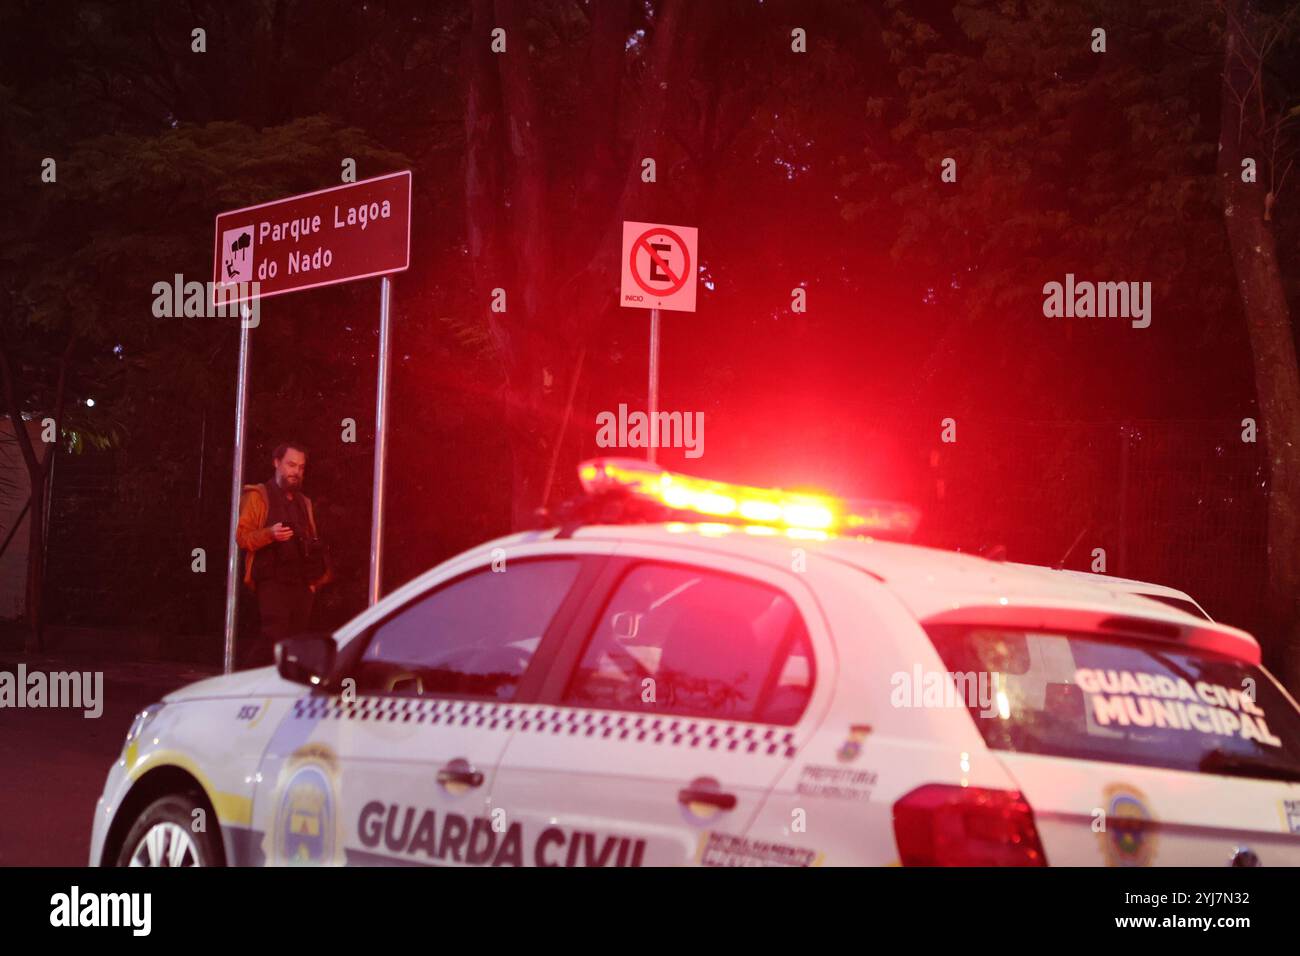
1123 164
1253 132
549 179
46 330
81 324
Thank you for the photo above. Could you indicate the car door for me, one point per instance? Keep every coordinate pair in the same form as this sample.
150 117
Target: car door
684 692
396 765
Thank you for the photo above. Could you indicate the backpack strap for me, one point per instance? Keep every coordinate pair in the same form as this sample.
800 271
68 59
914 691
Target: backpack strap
311 516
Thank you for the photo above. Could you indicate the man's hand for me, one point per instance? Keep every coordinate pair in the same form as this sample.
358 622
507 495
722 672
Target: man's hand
281 531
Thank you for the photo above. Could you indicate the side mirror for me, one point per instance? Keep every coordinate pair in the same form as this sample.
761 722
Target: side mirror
306 659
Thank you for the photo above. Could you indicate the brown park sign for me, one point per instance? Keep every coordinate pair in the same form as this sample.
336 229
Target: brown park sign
322 238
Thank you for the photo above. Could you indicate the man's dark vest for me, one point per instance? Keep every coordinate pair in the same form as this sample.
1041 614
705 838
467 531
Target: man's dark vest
298 560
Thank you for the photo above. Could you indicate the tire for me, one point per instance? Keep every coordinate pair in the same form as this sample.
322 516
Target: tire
163 835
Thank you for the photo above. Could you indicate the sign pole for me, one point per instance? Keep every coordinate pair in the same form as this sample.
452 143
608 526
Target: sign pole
381 442
236 490
658 273
654 381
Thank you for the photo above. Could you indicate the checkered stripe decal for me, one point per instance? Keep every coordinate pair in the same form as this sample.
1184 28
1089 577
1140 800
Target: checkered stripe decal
643 728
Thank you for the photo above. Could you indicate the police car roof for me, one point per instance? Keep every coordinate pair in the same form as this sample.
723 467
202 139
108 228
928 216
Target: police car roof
938 585
1125 584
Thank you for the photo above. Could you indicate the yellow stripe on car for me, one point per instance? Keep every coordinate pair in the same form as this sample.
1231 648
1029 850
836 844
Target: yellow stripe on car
233 809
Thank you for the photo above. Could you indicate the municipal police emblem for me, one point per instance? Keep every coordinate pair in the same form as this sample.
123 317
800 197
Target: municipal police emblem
850 749
304 831
1130 835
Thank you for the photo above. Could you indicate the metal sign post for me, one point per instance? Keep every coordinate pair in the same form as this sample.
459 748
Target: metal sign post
654 378
658 272
381 446
236 490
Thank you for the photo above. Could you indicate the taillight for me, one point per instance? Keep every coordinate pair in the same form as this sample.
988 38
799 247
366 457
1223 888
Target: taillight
940 825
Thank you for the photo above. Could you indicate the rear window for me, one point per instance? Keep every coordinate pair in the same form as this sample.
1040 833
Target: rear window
1072 694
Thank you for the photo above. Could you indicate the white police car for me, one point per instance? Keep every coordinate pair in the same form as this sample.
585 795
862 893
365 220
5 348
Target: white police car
760 688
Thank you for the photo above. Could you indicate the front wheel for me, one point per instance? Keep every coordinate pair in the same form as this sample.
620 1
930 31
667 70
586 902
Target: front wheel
164 835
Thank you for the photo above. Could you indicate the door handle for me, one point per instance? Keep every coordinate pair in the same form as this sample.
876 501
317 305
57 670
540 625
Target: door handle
465 776
715 798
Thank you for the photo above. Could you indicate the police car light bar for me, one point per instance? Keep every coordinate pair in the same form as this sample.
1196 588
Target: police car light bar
742 504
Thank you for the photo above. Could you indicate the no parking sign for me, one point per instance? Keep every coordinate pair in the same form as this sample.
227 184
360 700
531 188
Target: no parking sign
660 264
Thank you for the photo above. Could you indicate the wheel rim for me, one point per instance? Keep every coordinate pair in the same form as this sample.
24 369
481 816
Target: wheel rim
165 844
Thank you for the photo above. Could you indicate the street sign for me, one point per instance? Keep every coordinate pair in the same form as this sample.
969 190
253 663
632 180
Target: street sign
332 235
659 266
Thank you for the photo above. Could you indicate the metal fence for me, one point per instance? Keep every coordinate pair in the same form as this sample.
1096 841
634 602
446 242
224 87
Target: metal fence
1179 503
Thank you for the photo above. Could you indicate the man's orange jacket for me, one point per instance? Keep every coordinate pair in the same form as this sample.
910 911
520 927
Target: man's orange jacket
252 534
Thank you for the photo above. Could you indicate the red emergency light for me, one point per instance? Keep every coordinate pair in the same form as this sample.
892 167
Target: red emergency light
746 505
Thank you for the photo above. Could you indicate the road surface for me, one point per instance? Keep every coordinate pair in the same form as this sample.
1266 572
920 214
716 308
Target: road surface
53 761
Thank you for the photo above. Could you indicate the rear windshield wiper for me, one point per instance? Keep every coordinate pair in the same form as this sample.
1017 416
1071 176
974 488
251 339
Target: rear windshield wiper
1226 762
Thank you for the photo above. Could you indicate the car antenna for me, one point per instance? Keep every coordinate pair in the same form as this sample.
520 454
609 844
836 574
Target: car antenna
1060 565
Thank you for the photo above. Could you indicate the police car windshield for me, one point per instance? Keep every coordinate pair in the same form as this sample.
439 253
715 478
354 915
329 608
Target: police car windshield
1077 695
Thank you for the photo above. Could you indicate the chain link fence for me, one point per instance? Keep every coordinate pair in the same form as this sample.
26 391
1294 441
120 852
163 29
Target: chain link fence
1180 503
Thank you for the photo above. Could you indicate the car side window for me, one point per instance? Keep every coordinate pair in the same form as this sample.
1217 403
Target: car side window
473 637
681 640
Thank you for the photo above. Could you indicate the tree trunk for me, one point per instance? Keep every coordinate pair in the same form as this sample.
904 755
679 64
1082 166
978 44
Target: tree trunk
37 473
35 639
557 292
1268 320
